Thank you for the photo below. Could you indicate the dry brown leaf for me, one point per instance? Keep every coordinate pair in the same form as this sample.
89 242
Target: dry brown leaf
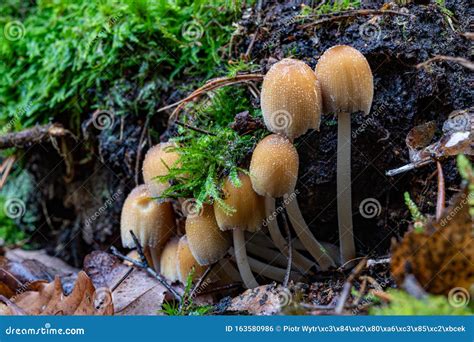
442 256
263 300
43 298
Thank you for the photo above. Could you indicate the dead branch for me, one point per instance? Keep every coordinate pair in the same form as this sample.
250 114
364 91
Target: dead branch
348 285
353 14
5 169
210 85
462 61
33 135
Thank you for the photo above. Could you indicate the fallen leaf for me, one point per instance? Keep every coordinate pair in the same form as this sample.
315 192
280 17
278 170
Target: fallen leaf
43 298
263 300
441 257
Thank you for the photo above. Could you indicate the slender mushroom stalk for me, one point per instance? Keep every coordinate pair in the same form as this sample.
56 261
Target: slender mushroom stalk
157 162
347 87
274 170
291 105
207 242
247 215
153 223
186 262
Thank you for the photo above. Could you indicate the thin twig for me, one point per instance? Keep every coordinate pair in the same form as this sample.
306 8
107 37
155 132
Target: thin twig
348 285
140 252
33 135
351 14
196 129
200 281
290 252
463 61
149 270
5 169
122 279
441 197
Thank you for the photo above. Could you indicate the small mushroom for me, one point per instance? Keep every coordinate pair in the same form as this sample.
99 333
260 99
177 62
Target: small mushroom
157 162
347 87
291 98
169 260
273 171
153 223
186 262
207 242
248 215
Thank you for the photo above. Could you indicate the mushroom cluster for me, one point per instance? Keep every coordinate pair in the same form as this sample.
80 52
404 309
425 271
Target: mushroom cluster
293 98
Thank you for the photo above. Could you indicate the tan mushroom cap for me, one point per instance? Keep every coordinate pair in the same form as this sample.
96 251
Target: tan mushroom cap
346 80
291 98
207 242
274 166
186 262
249 207
157 161
169 261
153 223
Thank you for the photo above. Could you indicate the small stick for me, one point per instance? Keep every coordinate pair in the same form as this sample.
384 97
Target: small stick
464 62
347 286
409 167
355 13
122 279
200 281
33 135
149 270
5 169
290 252
196 129
139 248
441 197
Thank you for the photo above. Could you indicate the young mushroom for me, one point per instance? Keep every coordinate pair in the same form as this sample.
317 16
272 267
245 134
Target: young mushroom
347 87
186 262
207 242
157 162
153 223
291 105
247 215
273 171
169 261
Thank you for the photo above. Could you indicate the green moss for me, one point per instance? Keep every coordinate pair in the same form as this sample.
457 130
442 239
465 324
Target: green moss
207 158
64 58
404 304
331 7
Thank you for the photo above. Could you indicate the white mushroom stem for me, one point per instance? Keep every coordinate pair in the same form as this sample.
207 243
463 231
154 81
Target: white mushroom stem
263 269
344 196
242 260
306 237
269 255
300 261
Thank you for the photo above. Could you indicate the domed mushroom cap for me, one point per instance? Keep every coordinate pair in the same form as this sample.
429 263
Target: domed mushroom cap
291 98
274 166
157 161
249 207
346 80
168 260
153 223
186 262
207 242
